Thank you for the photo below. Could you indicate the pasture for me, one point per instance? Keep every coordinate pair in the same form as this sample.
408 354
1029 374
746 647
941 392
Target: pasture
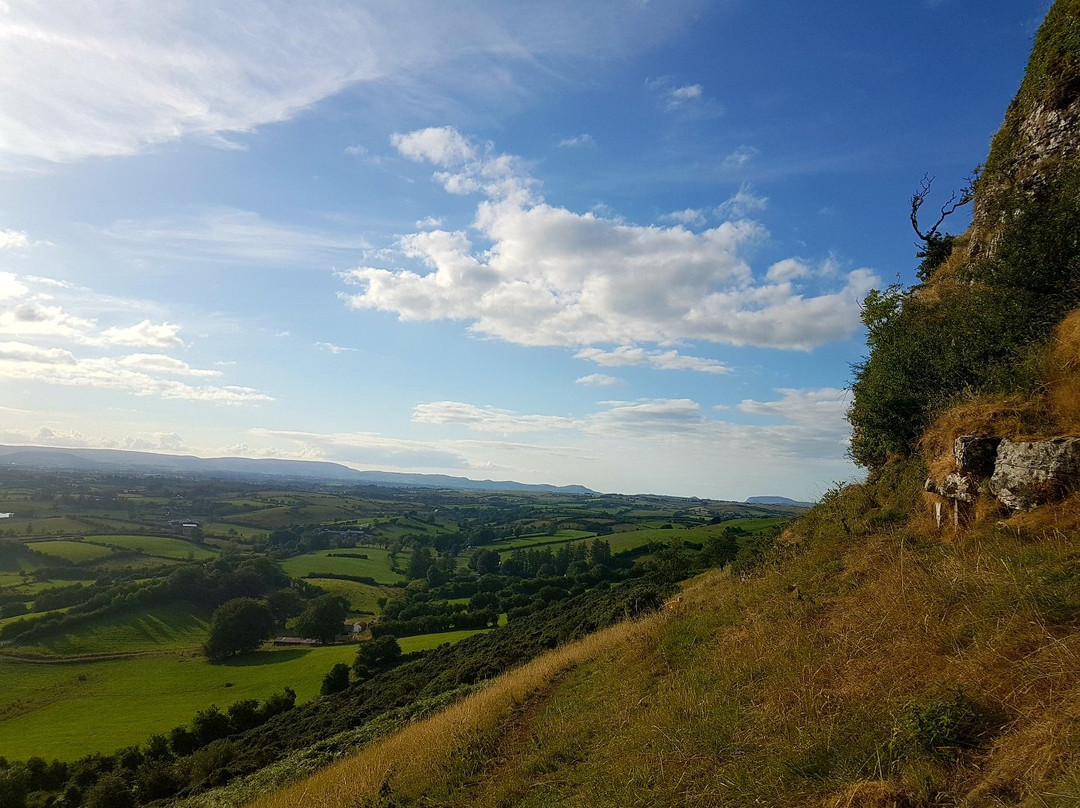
165 628
76 551
375 566
66 711
163 546
363 598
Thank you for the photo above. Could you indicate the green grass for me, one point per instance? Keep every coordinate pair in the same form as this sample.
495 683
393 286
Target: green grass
239 532
362 597
376 565
537 540
425 642
46 526
164 546
66 711
76 551
167 628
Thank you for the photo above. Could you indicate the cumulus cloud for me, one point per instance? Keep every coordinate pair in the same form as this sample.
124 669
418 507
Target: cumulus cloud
546 275
13 240
660 360
598 380
144 335
35 318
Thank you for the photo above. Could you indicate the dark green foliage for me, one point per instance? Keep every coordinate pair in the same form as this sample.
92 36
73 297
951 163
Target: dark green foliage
110 791
932 254
970 338
238 626
209 725
375 655
337 679
946 727
324 618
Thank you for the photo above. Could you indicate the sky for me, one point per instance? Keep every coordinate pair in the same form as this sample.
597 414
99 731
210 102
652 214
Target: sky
620 243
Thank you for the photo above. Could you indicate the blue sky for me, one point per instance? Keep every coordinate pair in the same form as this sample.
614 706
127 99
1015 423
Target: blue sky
620 244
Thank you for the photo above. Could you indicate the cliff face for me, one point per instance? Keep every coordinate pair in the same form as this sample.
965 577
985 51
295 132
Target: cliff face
1040 137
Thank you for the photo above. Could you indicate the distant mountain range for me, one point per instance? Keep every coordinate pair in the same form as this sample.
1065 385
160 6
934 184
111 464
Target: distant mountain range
778 501
118 461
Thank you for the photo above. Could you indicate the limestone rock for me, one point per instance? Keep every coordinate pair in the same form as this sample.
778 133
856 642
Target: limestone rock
975 455
1032 473
959 486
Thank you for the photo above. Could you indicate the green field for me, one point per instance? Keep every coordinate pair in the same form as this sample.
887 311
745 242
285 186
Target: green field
425 642
66 711
362 597
46 526
537 540
375 566
76 551
166 628
240 532
164 546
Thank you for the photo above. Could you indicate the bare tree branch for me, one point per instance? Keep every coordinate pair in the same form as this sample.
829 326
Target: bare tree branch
956 200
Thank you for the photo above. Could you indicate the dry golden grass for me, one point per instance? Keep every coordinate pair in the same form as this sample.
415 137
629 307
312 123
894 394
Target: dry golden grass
1062 374
430 751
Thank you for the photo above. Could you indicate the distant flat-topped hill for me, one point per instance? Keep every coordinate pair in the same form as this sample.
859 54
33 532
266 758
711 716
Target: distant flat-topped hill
778 501
114 460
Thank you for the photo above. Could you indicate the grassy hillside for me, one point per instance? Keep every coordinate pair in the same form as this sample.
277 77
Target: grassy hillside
868 665
873 662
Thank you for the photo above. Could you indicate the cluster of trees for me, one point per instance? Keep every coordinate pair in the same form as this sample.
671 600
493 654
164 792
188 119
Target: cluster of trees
982 335
543 562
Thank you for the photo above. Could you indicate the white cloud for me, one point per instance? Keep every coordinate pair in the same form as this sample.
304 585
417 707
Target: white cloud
13 240
486 419
743 203
30 318
689 92
598 380
443 146
740 157
112 374
334 349
549 276
144 335
430 222
577 141
10 286
787 270
626 355
689 216
24 352
160 363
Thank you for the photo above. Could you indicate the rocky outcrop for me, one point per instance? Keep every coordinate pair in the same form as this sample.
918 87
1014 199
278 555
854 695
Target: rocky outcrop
1032 473
1020 474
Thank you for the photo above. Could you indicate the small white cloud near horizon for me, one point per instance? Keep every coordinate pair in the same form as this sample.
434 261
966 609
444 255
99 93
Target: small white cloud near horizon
627 355
598 380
